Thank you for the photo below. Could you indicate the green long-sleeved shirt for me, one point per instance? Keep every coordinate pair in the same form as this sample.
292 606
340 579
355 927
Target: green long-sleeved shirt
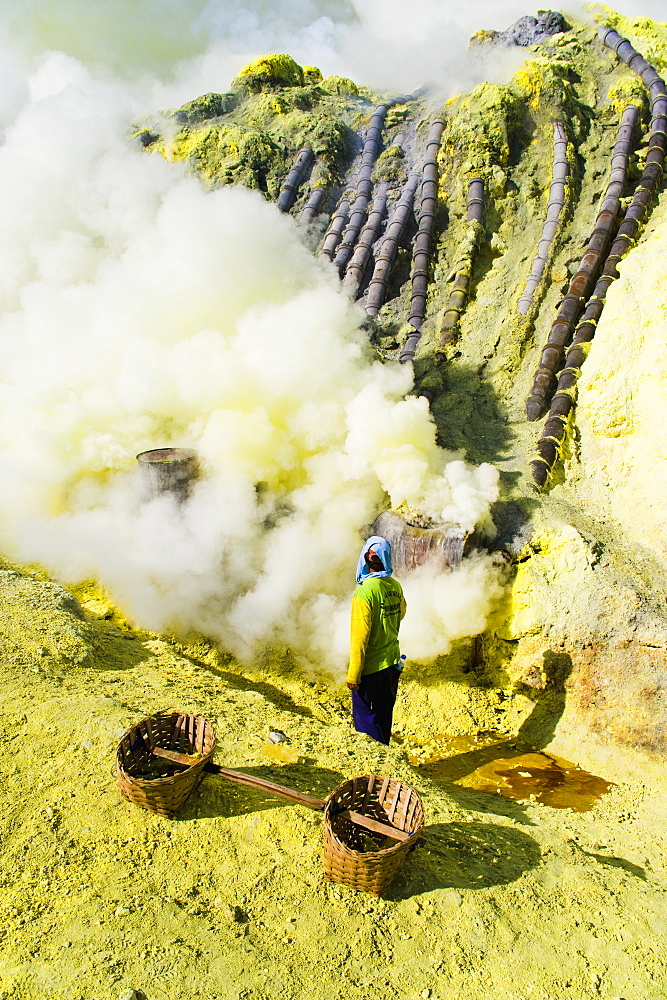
378 606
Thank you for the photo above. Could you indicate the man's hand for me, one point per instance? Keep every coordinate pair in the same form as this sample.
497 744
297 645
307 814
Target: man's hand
353 687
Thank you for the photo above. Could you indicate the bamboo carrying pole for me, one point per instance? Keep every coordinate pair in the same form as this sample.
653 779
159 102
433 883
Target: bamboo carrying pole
371 823
300 798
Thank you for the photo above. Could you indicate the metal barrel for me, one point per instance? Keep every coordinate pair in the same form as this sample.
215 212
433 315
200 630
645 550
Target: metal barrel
411 546
169 470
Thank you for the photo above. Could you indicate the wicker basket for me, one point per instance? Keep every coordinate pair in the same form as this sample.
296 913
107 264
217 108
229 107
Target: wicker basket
152 782
360 858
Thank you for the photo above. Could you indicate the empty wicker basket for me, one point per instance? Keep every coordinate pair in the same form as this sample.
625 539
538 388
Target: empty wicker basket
153 782
360 857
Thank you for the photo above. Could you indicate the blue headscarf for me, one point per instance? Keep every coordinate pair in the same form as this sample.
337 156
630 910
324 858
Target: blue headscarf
383 549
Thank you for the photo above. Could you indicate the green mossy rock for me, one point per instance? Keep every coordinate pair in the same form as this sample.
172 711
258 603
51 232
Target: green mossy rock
207 106
483 37
390 166
274 70
311 74
227 154
340 85
484 125
252 134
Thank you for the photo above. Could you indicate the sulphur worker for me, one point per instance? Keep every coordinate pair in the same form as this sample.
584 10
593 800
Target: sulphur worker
378 607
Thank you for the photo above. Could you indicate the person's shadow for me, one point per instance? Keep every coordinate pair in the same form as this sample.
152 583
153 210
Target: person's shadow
546 688
535 732
539 728
465 856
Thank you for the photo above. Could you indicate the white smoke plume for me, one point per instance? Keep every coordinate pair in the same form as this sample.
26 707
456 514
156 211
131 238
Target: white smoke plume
138 311
195 46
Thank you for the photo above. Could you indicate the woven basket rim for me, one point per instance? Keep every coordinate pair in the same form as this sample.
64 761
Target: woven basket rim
169 778
399 846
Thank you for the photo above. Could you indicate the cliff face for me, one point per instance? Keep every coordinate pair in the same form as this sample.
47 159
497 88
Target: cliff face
616 476
583 627
622 404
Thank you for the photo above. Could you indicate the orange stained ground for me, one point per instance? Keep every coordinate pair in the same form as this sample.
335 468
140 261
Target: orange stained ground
490 763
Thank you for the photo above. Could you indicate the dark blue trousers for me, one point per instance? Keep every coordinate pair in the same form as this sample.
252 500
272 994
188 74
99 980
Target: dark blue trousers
373 703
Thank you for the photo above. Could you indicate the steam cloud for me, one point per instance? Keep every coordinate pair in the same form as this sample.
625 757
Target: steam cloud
174 49
138 311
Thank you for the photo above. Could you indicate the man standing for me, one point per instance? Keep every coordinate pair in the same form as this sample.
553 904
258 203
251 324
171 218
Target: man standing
378 606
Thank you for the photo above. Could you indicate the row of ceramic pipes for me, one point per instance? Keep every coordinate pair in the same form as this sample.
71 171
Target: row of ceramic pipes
353 231
559 395
350 247
559 174
581 285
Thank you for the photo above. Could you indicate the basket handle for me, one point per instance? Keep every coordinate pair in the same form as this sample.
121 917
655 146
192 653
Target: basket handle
372 824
